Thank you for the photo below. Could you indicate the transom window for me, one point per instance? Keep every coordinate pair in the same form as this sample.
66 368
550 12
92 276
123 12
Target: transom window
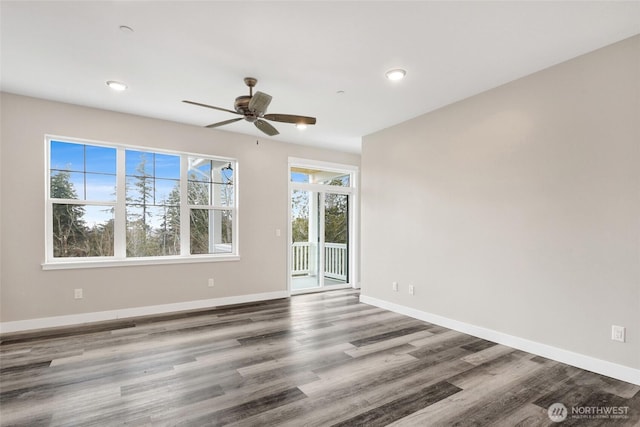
108 202
320 176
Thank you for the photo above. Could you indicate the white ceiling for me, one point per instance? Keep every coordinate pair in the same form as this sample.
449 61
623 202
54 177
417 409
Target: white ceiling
302 52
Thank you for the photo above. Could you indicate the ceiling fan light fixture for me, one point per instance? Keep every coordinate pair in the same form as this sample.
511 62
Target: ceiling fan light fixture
396 74
117 86
301 126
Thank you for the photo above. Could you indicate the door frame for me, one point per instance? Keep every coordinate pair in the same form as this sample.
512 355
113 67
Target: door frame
353 213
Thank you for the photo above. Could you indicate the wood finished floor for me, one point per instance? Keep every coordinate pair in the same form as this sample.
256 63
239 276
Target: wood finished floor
312 360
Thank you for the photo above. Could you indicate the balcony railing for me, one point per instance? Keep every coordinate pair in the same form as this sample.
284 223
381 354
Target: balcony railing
335 260
300 259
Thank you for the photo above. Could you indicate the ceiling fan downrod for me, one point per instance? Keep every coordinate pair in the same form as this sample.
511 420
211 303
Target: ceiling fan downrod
251 82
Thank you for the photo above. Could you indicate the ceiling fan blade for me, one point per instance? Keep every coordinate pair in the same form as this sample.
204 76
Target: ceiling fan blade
265 127
259 102
211 106
291 118
226 122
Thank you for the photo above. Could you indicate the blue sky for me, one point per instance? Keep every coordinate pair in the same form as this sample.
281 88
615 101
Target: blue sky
299 177
99 182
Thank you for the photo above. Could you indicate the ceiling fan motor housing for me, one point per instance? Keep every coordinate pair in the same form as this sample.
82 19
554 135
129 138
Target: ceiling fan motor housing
242 106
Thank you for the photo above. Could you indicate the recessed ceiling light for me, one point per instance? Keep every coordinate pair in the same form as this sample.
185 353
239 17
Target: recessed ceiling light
340 92
301 126
396 74
126 29
119 86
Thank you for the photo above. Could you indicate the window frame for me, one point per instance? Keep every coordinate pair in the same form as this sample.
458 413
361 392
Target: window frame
120 258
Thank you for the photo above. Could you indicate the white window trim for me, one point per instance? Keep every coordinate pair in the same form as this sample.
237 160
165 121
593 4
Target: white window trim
119 259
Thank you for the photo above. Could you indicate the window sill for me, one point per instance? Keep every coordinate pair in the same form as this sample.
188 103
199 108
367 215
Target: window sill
104 262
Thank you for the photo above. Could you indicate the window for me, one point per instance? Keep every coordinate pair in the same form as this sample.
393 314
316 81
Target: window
210 195
320 176
152 199
113 203
82 189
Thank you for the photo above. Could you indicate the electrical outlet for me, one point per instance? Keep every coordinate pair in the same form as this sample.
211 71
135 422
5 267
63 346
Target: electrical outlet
618 333
412 290
77 293
211 282
394 286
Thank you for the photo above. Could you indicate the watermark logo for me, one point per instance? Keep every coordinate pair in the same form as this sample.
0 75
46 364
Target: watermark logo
557 412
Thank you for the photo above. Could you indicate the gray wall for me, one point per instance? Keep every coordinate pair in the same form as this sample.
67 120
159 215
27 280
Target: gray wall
518 209
28 292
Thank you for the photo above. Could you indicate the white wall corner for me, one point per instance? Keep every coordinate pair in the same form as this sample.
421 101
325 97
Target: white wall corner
603 367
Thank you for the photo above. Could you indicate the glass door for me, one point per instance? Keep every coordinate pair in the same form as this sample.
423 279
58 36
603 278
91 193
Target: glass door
321 226
305 242
336 239
319 239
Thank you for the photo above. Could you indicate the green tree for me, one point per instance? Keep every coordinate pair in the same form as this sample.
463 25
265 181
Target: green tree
100 239
69 228
336 218
300 216
139 241
300 229
170 227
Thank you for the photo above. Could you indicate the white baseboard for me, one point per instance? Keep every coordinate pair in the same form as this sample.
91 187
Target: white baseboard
80 319
578 360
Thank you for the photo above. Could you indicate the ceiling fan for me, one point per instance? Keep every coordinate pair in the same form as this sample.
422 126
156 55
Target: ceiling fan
252 108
